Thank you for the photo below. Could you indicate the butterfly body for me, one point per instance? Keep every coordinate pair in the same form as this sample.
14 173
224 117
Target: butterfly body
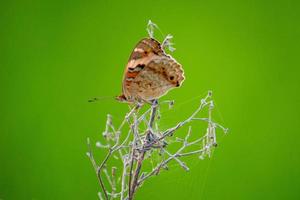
150 73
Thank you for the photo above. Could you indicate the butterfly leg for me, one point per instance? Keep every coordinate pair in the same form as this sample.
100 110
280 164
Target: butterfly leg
135 106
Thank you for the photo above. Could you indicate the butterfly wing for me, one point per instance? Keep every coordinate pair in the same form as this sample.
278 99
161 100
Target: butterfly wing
144 47
150 73
159 76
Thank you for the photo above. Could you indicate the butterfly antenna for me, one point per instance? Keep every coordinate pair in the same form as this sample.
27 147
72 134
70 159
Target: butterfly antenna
95 99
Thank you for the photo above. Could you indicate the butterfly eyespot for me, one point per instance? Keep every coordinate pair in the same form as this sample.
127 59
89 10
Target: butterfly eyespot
171 78
177 84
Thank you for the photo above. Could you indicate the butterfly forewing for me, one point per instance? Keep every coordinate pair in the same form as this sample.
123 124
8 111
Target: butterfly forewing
144 47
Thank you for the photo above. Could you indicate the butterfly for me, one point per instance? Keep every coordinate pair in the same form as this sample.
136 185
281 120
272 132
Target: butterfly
150 73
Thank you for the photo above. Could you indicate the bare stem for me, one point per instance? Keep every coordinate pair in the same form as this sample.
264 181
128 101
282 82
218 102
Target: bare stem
141 157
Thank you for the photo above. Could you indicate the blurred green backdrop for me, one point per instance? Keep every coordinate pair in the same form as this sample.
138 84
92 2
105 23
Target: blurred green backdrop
55 55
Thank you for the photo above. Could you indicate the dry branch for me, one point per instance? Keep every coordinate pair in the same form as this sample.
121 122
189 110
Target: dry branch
140 143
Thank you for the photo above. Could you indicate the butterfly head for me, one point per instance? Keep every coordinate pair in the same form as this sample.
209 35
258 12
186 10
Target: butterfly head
121 98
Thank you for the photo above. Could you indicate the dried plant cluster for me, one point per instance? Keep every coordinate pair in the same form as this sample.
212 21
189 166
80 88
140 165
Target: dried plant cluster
139 138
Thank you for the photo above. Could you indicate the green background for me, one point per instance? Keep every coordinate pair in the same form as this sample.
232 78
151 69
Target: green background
55 55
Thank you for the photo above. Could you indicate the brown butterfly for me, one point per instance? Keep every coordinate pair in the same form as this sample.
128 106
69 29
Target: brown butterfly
150 73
